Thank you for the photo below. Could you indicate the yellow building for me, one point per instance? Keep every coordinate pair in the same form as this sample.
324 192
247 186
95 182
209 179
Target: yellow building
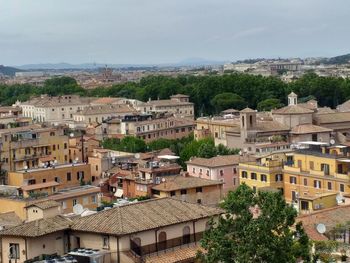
32 145
316 173
266 172
67 175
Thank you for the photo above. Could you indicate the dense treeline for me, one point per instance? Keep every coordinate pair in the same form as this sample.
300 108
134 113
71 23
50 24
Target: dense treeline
211 93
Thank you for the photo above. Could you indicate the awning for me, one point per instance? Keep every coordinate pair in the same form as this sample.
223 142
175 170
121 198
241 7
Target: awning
118 193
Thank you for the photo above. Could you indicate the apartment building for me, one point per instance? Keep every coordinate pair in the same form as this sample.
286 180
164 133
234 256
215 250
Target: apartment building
53 109
314 173
170 234
31 146
58 176
149 127
189 189
218 168
178 104
100 113
264 173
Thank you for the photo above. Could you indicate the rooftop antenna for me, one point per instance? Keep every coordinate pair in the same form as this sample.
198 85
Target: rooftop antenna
321 228
78 209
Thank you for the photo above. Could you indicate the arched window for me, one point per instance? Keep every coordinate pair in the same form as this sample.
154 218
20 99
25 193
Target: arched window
242 121
186 235
251 120
162 241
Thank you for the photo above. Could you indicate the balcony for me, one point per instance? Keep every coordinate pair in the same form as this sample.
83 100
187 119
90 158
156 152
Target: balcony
161 248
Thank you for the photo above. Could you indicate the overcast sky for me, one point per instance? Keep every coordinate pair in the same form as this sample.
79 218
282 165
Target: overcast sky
162 31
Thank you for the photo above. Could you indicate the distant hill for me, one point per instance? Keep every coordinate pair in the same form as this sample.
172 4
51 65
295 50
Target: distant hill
9 71
343 59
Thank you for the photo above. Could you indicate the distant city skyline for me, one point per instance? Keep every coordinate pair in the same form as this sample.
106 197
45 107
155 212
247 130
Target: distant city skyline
162 31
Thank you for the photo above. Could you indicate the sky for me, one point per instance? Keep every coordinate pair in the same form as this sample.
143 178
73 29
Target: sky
167 31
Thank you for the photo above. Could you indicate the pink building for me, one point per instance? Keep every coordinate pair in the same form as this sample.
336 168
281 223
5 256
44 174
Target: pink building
223 168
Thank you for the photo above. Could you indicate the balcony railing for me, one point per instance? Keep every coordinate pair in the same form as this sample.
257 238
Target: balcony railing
162 247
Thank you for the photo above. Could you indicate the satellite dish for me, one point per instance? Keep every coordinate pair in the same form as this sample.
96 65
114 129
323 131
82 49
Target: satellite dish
78 209
339 198
137 155
332 141
163 180
321 228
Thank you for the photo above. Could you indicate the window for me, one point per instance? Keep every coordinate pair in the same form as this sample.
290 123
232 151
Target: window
221 172
14 251
253 176
317 184
57 180
279 177
80 175
329 185
199 189
54 147
172 193
93 199
305 181
186 235
65 145
200 171
325 168
96 167
292 180
311 164
183 191
234 170
69 176
199 201
155 192
244 174
294 195
193 170
64 205
85 200
75 201
208 173
263 177
105 242
341 188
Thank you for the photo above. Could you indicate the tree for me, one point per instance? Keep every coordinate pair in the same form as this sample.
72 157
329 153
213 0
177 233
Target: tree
207 150
254 228
127 144
227 100
269 104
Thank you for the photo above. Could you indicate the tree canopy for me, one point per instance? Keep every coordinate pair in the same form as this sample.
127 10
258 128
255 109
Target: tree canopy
210 93
255 228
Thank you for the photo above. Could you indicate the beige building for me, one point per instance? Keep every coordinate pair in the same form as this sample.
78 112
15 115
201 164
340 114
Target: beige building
190 189
31 146
149 127
178 104
53 109
100 113
165 232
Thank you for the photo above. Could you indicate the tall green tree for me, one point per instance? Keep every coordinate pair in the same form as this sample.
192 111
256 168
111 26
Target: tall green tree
227 100
254 228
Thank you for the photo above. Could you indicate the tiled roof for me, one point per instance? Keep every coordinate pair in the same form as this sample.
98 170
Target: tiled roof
329 217
179 182
179 96
292 109
39 186
44 204
332 117
247 110
309 128
9 219
345 107
106 109
270 126
230 111
106 100
165 103
218 161
39 227
141 216
325 110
